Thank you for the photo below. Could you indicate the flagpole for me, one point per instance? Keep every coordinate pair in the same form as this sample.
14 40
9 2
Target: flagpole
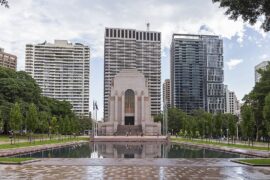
93 121
96 118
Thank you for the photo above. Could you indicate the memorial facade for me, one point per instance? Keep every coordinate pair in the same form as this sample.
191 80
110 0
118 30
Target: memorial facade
129 106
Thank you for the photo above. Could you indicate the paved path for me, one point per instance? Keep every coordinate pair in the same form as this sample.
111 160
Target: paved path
133 169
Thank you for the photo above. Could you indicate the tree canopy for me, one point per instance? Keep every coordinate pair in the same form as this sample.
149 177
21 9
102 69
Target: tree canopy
249 10
21 100
4 3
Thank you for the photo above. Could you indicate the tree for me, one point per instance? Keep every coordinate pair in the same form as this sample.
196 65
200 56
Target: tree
218 119
15 122
4 3
32 119
249 10
266 115
231 121
1 121
43 123
175 119
247 122
54 125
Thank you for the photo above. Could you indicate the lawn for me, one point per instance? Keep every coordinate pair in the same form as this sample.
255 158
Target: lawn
45 142
255 162
12 160
240 146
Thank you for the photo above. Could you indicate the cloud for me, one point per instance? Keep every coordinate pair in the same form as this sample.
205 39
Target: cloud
233 63
33 21
264 56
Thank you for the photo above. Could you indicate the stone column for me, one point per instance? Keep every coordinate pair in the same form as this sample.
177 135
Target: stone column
142 107
136 111
116 108
123 110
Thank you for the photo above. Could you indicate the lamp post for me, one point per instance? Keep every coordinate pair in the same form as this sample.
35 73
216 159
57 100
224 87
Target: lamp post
165 119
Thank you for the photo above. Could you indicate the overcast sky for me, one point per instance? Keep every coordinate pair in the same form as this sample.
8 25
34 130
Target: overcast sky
84 21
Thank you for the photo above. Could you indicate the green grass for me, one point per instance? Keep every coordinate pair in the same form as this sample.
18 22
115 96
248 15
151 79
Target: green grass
12 160
240 146
255 162
45 142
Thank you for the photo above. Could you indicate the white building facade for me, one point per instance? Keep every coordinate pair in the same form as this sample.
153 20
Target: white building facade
61 69
232 103
167 93
262 66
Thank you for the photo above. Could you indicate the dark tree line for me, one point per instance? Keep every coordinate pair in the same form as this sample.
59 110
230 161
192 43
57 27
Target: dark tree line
22 107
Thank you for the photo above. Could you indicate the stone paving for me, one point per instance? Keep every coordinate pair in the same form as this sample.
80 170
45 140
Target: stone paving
129 169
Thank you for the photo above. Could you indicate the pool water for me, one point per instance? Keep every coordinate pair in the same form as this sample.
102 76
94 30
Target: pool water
131 150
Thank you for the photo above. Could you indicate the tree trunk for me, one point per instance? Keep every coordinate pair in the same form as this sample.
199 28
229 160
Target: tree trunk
257 134
268 142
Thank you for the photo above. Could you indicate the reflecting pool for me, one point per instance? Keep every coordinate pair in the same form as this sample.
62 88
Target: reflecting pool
131 150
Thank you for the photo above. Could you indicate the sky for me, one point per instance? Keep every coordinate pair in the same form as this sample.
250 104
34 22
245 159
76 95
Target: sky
84 21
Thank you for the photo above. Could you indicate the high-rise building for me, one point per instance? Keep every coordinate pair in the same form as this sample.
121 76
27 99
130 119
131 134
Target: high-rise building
62 72
167 93
8 60
197 73
262 66
130 49
232 103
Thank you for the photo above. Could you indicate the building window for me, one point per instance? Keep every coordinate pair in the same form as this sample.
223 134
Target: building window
129 101
107 32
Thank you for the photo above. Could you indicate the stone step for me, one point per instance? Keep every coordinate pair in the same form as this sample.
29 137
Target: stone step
131 130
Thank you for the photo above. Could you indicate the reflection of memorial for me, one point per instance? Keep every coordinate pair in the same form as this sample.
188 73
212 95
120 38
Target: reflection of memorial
129 106
130 150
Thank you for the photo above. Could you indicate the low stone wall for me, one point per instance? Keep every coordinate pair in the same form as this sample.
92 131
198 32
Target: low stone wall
25 150
130 139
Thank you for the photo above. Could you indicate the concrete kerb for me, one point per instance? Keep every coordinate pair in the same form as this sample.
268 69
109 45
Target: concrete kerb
249 164
20 163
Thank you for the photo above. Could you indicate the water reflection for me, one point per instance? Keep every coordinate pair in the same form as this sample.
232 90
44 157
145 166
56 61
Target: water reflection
131 150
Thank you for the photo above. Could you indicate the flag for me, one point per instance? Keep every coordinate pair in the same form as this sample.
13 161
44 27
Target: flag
96 106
